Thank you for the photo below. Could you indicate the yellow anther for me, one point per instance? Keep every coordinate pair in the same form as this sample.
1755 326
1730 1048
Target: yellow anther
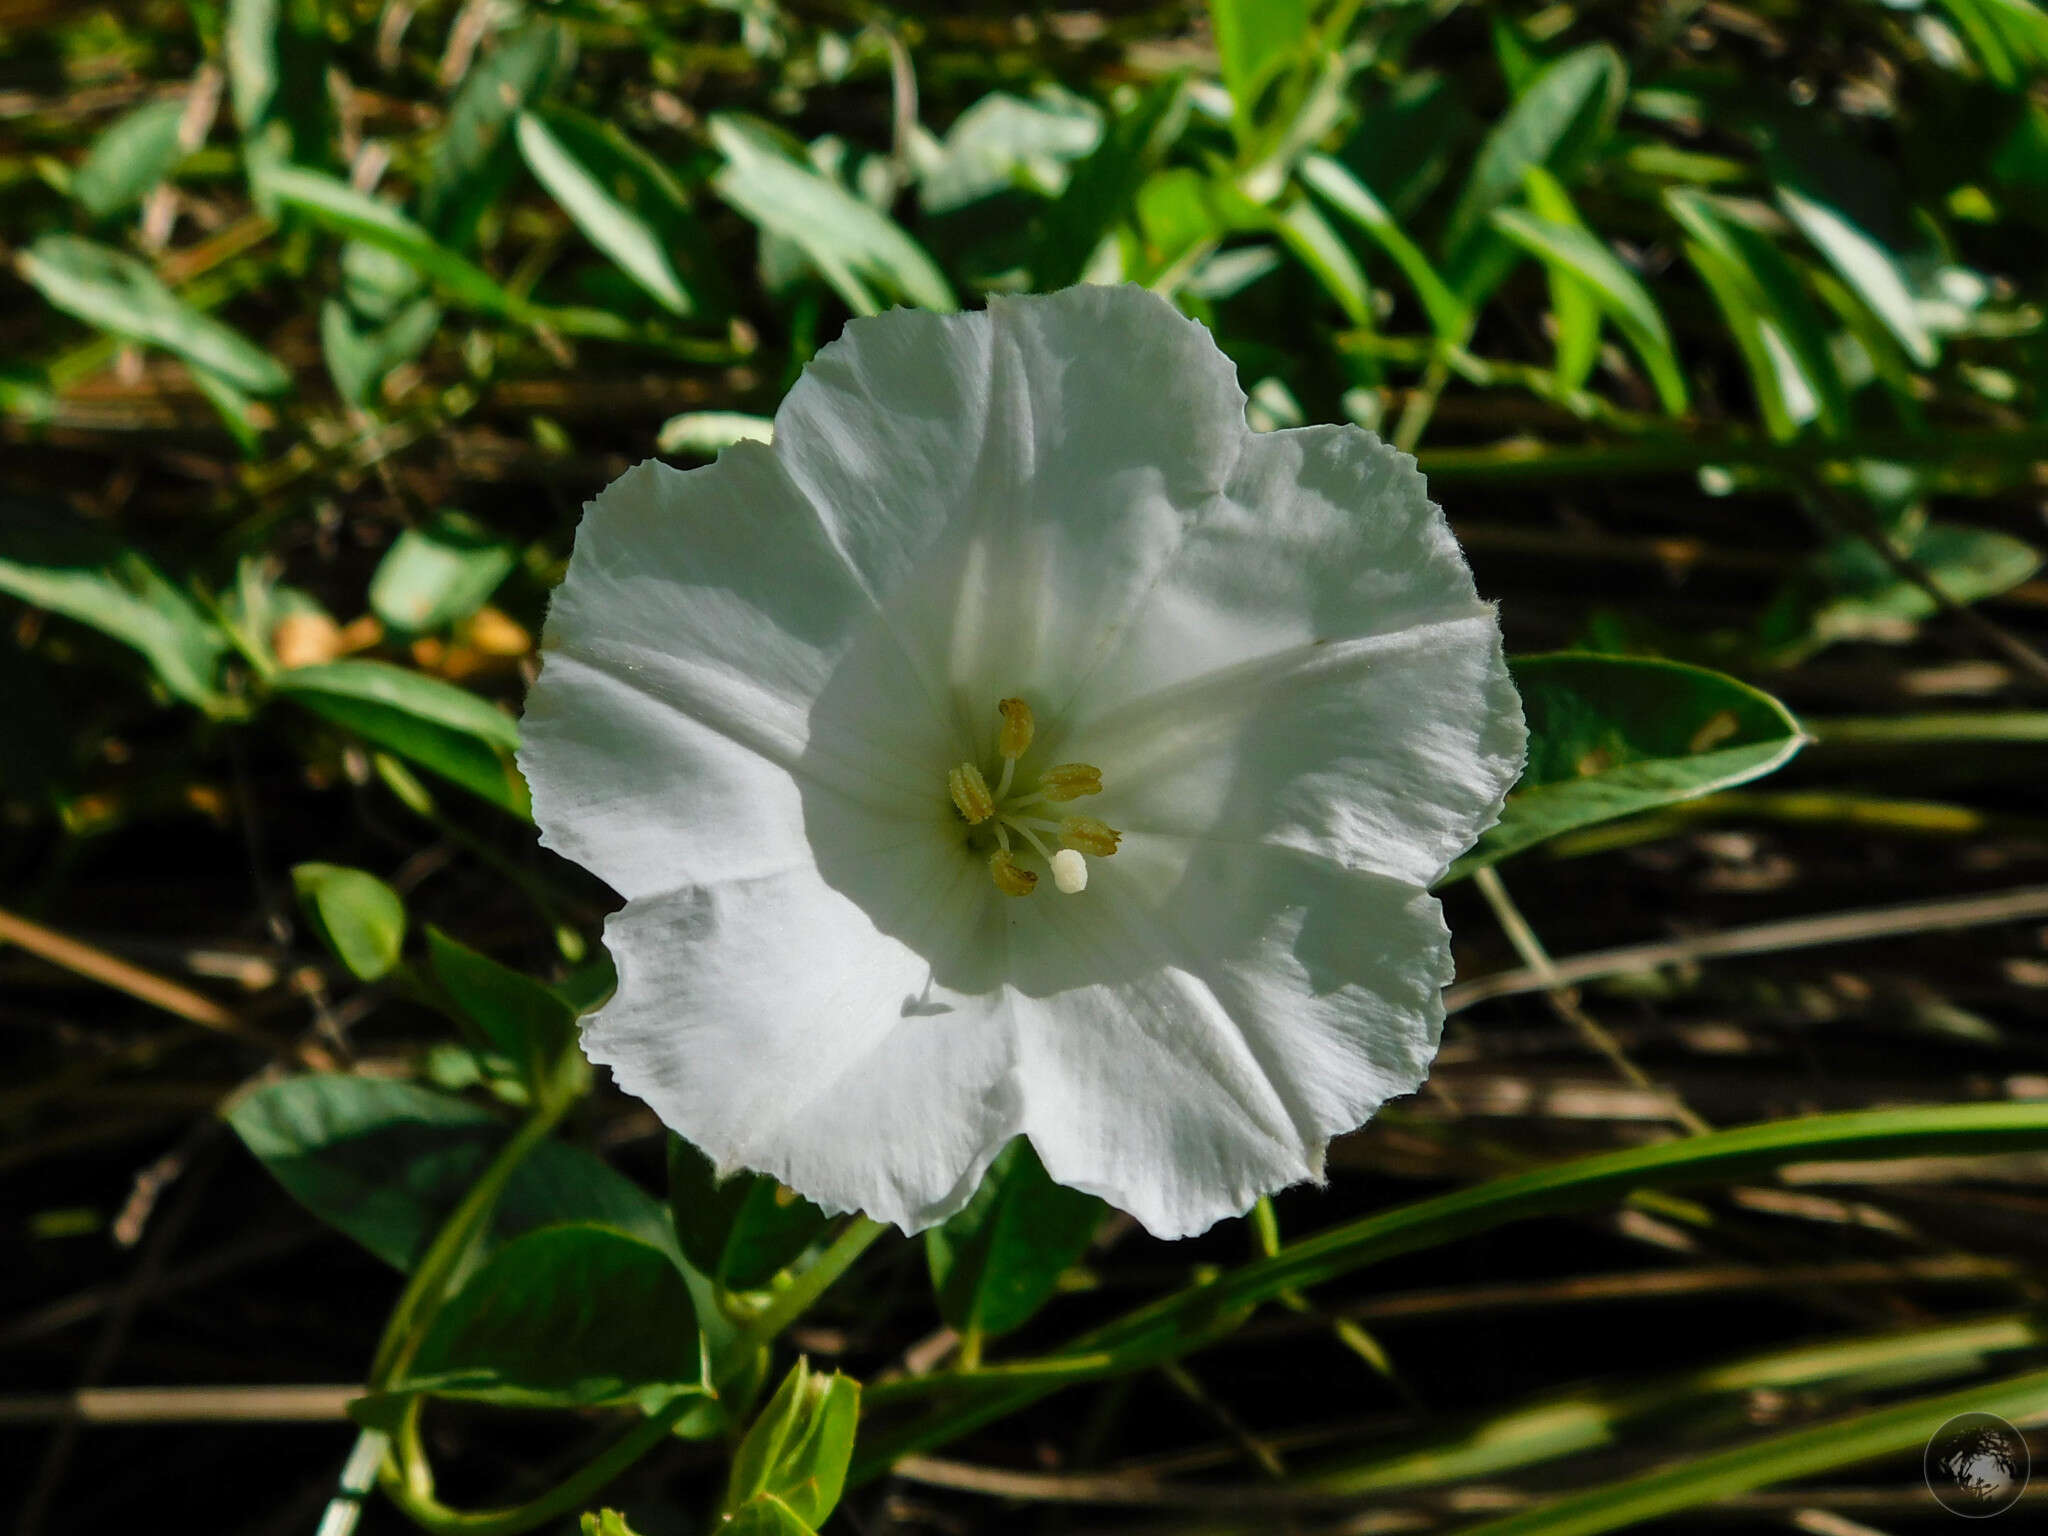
1018 725
1009 878
1070 781
970 793
1089 835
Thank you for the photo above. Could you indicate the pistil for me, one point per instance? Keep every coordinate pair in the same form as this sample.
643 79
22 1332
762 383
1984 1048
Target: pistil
998 810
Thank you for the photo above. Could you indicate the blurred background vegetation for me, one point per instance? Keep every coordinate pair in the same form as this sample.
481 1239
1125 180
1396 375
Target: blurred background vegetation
1717 328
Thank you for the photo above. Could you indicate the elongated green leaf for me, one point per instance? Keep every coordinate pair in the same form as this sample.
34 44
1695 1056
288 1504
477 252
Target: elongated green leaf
1555 123
57 562
1618 291
473 159
112 290
742 1230
1613 735
999 1260
360 917
1177 1323
1870 270
439 573
385 1162
851 244
1575 304
341 208
1774 320
1801 1453
1254 40
610 224
1714 1397
566 1316
1344 192
435 724
136 152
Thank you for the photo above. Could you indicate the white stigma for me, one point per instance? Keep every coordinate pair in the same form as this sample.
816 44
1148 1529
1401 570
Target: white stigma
1069 872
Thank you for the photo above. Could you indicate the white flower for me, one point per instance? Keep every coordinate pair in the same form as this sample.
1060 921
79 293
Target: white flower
780 715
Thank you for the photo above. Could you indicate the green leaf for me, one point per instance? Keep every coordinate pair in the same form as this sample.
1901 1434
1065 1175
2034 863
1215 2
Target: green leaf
385 1162
1005 141
1776 324
703 433
1168 1327
1556 123
1349 196
798 1448
1613 735
1099 194
1575 304
439 573
137 150
1619 293
1867 600
851 244
358 359
610 224
999 1260
250 43
472 160
55 561
523 1018
340 207
605 1522
435 724
361 918
743 1230
112 290
1254 40
1872 272
567 1316
1800 1453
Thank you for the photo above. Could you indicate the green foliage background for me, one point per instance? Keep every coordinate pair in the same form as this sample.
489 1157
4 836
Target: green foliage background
1718 330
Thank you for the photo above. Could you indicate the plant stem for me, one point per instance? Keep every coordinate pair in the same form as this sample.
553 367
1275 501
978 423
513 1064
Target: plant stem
852 1241
561 1499
423 1292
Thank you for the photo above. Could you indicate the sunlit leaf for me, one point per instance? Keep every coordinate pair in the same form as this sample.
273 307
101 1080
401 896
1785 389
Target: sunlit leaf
611 225
361 918
136 151
439 573
435 724
1613 735
112 290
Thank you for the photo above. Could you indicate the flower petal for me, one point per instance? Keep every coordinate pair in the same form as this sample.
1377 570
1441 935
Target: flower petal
1314 670
771 1023
680 709
1001 485
1266 1003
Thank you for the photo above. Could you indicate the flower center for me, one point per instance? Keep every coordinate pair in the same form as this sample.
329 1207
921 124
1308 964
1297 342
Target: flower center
1012 807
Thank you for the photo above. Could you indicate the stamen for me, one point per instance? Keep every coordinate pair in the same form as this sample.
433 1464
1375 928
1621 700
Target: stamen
1070 781
1009 879
1069 872
970 793
1017 730
1089 835
1027 834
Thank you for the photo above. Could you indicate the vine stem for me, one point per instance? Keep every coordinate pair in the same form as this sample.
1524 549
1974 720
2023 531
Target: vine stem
788 1305
423 1292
